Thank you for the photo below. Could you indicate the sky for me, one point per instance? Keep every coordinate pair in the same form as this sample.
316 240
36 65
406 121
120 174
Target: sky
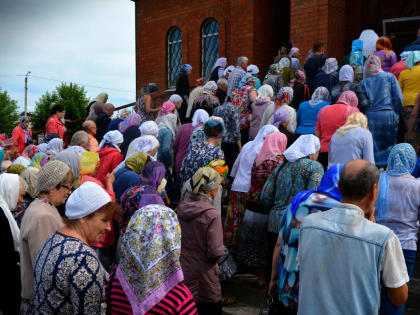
88 42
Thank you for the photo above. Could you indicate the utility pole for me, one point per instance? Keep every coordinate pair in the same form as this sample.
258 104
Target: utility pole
26 93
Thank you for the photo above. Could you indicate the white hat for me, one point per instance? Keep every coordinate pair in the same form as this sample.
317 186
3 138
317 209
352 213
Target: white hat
85 200
252 69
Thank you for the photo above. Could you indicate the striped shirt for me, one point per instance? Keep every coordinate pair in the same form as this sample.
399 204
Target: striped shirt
178 301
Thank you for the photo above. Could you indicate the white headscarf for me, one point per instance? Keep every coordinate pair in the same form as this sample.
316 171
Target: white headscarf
265 91
346 74
21 160
147 143
43 147
293 51
252 69
55 145
304 146
149 128
169 121
321 94
9 194
284 62
330 66
210 87
228 70
113 137
175 98
369 39
200 117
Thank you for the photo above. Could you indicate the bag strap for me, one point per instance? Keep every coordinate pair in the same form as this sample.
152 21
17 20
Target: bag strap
307 93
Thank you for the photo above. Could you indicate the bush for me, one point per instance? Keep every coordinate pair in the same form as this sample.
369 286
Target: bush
8 113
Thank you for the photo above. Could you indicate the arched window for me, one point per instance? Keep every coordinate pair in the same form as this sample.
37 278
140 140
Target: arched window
209 46
174 55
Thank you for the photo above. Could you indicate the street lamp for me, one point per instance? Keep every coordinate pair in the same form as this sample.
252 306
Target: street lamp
26 92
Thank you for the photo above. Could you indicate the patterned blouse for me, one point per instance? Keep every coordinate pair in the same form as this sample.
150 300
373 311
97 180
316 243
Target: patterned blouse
230 117
141 110
205 101
240 98
199 155
69 279
284 183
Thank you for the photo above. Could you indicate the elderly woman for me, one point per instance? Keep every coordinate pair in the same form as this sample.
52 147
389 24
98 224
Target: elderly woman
328 77
294 54
71 159
144 106
300 172
346 78
381 100
332 117
398 207
252 237
207 100
176 100
22 134
12 189
27 154
353 141
195 93
129 128
242 98
285 67
67 264
283 99
202 241
385 53
273 78
183 88
41 220
241 172
218 69
54 147
307 113
148 278
15 169
301 91
254 70
30 176
148 144
264 99
167 108
101 98
39 160
202 153
281 121
109 154
148 128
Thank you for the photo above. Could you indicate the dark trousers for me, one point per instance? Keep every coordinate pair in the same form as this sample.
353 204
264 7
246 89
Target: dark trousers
209 308
323 159
244 135
231 151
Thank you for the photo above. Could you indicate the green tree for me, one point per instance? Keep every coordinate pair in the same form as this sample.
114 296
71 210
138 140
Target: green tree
71 96
8 113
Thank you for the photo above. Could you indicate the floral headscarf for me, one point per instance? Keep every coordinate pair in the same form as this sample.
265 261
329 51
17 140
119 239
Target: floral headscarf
30 151
285 95
247 79
147 144
373 66
55 145
349 98
283 63
330 66
321 94
205 179
39 160
300 77
273 69
149 265
133 119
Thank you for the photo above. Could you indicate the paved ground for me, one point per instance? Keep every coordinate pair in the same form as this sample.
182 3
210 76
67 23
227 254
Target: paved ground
250 298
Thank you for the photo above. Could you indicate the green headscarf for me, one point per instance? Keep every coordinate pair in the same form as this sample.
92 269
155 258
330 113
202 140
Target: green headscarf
16 169
136 162
150 88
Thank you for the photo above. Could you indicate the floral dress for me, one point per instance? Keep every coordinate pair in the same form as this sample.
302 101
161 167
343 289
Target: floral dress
141 110
240 98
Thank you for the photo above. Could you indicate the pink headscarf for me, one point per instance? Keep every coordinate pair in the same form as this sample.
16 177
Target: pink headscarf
30 151
373 66
274 144
349 98
167 108
299 77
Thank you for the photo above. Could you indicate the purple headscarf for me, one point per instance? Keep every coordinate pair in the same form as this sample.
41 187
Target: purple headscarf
133 119
280 116
152 174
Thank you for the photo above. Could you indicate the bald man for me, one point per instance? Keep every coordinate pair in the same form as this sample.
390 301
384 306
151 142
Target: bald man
345 256
90 127
103 120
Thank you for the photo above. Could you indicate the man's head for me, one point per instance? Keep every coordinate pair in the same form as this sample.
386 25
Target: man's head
81 139
90 127
109 109
242 62
318 48
58 110
358 185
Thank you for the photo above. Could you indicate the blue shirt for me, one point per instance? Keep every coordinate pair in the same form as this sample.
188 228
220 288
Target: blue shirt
307 116
165 139
416 172
124 179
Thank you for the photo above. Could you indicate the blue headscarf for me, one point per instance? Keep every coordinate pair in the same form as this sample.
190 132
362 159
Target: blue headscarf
356 56
328 186
1 155
412 59
401 161
246 79
185 68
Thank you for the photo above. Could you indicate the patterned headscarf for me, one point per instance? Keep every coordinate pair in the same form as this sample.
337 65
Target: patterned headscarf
30 151
152 174
147 144
55 145
167 108
280 116
205 179
273 145
373 66
149 128
330 66
149 265
247 79
169 121
30 176
285 95
346 74
113 137
273 69
321 94
39 160
133 119
88 163
175 98
136 162
210 87
300 77
349 98
283 63
293 51
220 167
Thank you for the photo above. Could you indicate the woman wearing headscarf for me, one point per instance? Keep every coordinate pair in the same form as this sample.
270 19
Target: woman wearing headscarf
30 176
71 159
101 98
281 121
129 128
285 271
12 189
332 117
242 98
54 147
183 88
202 241
182 141
109 154
283 99
39 160
149 128
294 54
301 91
128 175
307 114
241 172
27 155
42 147
67 264
252 236
177 101
254 70
146 192
258 107
328 77
346 78
15 169
285 66
22 134
167 108
300 171
274 78
352 141
148 278
207 100
385 53
144 106
381 100
398 207
195 93
219 69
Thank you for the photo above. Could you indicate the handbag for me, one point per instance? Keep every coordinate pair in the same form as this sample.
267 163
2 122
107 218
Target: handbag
271 305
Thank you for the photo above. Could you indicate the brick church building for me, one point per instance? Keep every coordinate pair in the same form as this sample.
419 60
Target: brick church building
172 32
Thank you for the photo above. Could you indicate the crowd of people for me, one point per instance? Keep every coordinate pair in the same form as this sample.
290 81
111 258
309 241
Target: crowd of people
307 177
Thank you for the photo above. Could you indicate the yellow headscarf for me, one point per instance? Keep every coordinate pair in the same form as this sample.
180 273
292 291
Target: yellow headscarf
136 162
205 179
88 163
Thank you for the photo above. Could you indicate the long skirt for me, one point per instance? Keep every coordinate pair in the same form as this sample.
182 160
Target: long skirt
252 240
234 216
384 128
